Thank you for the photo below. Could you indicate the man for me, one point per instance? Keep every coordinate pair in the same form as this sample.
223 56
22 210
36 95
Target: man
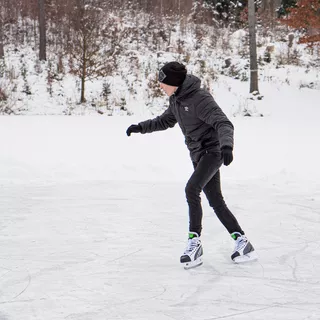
209 138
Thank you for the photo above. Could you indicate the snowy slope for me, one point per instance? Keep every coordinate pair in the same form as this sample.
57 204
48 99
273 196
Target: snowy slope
25 80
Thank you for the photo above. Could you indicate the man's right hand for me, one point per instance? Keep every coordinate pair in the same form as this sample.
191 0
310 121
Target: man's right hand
134 128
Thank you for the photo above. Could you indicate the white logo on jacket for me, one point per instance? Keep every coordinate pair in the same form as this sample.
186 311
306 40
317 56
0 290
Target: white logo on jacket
186 108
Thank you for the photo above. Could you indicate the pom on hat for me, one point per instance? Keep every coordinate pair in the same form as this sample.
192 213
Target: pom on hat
173 74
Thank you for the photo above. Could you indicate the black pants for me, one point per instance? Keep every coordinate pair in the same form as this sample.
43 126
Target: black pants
206 177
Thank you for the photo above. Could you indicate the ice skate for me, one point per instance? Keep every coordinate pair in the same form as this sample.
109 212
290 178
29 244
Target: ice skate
243 251
192 256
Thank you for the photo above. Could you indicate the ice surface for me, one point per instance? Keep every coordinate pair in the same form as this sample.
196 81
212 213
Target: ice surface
93 223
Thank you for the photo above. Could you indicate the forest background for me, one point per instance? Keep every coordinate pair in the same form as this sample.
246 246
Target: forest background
102 56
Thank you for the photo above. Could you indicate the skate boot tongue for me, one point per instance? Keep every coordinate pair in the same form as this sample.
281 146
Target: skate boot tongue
236 235
193 235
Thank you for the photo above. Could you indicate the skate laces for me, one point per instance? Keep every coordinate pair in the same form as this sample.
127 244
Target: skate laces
240 243
192 244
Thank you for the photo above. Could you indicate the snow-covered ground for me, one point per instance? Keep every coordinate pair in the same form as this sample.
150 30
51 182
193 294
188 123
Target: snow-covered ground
31 87
93 222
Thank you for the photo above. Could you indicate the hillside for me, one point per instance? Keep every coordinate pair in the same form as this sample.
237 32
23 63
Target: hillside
219 57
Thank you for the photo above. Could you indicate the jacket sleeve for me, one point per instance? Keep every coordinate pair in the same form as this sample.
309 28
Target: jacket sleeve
162 122
209 112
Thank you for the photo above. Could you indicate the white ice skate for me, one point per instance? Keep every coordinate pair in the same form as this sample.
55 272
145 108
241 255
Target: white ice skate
243 251
192 256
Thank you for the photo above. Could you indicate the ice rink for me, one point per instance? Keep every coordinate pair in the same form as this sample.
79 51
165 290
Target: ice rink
93 224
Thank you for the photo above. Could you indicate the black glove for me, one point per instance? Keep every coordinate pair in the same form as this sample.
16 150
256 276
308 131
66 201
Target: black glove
136 128
226 155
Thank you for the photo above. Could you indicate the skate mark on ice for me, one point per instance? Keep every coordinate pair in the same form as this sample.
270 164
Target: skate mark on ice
285 257
292 281
126 255
248 277
4 274
170 317
89 315
24 290
294 269
155 296
242 313
246 312
21 301
311 208
106 309
20 293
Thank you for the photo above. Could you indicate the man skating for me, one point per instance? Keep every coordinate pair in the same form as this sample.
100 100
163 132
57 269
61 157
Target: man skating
209 138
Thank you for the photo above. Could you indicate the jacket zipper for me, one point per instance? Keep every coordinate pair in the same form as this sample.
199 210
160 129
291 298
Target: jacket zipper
179 114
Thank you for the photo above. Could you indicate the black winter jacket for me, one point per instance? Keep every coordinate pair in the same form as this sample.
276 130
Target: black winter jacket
205 127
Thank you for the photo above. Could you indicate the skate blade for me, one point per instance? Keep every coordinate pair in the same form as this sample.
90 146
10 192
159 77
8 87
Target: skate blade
193 264
251 256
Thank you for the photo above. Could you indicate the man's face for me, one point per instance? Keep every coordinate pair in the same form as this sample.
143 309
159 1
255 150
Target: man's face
169 90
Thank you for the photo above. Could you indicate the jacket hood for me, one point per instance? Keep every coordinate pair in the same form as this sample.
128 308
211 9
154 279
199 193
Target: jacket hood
190 84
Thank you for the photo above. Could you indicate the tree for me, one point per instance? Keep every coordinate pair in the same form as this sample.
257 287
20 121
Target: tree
1 38
285 7
253 47
271 6
42 28
306 16
6 17
89 58
268 11
228 11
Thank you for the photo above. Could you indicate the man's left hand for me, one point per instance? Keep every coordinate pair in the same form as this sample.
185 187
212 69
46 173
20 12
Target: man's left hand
226 155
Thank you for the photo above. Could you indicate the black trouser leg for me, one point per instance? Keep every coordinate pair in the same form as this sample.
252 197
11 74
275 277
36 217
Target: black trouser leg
206 177
213 193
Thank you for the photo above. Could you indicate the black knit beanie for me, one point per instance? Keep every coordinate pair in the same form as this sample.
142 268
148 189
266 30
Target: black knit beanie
173 74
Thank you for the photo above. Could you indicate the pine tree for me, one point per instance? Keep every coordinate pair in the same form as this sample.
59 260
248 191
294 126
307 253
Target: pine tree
285 7
227 10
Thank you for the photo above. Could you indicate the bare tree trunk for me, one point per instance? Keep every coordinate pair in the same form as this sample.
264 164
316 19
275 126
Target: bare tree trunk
269 10
84 68
42 27
83 99
1 42
253 47
1 29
